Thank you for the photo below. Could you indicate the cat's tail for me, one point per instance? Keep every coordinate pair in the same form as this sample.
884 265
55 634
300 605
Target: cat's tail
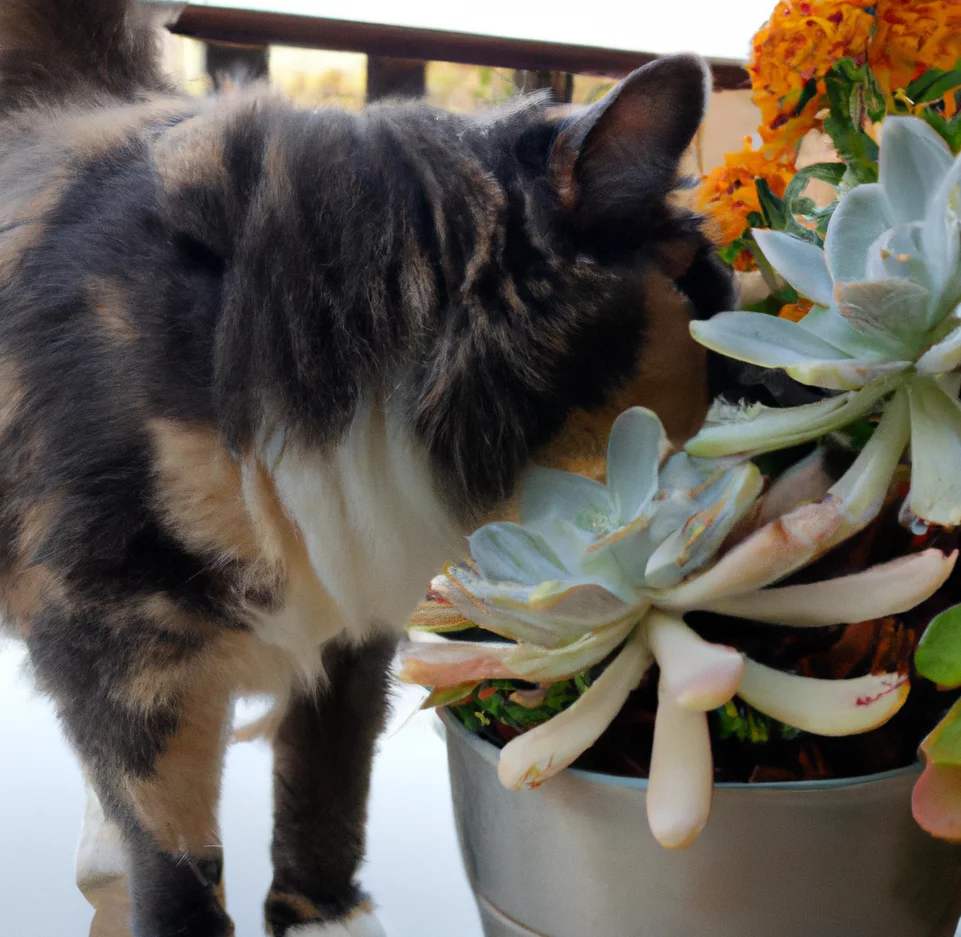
59 51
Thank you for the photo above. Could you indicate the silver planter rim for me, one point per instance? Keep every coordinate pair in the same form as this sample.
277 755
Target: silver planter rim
849 858
490 754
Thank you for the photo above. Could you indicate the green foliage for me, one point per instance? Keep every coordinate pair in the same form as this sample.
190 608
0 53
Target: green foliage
746 724
949 130
938 656
943 745
932 85
853 95
491 701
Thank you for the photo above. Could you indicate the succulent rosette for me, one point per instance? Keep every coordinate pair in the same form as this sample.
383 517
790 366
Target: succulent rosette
599 574
884 330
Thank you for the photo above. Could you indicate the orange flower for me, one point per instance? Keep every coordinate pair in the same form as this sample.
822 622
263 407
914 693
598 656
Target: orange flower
913 37
799 42
795 311
728 194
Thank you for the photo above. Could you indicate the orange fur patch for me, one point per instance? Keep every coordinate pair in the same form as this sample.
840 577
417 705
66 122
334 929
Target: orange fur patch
201 491
178 801
191 154
671 380
110 303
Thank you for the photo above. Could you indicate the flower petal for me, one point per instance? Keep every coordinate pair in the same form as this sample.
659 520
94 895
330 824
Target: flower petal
936 801
864 486
828 323
801 263
849 374
886 589
935 454
634 452
455 663
437 617
793 540
894 309
448 664
940 234
824 707
507 552
507 609
768 341
763 429
700 676
862 216
769 554
543 665
943 744
530 759
681 783
943 357
806 481
698 539
913 161
544 493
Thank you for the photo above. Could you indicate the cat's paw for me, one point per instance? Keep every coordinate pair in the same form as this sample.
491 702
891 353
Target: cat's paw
362 923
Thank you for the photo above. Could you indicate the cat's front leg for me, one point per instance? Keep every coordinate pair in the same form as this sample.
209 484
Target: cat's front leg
143 701
323 751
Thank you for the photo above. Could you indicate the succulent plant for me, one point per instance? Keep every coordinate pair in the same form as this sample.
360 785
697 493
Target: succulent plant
936 801
885 327
598 573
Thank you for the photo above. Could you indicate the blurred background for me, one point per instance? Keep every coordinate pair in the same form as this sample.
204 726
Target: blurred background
501 49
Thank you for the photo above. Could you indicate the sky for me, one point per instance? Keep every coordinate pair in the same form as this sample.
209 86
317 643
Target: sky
710 27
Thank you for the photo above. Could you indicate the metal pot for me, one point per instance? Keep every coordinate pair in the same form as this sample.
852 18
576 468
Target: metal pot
575 858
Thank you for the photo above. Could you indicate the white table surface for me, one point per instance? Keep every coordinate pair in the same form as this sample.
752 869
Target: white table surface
413 869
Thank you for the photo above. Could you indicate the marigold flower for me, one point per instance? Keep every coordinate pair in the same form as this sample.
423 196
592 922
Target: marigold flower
728 194
913 37
796 311
799 42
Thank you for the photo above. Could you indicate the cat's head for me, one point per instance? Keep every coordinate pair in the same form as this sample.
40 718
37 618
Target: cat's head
491 276
574 313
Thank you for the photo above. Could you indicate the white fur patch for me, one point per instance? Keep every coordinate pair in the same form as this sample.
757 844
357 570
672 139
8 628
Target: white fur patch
360 925
100 855
374 528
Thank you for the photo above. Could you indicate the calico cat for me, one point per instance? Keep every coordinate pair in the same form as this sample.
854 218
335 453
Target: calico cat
261 369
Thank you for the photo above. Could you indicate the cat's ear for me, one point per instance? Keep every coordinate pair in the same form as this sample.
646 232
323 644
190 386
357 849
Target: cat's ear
622 152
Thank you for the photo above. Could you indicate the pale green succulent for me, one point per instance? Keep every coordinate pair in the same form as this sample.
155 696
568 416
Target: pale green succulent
885 327
607 571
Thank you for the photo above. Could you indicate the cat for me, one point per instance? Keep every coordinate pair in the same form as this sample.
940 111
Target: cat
261 370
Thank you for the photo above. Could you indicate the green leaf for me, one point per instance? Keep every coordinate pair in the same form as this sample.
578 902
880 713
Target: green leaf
943 745
949 130
832 173
730 252
875 102
736 719
938 656
807 93
775 214
856 108
857 434
771 305
933 85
